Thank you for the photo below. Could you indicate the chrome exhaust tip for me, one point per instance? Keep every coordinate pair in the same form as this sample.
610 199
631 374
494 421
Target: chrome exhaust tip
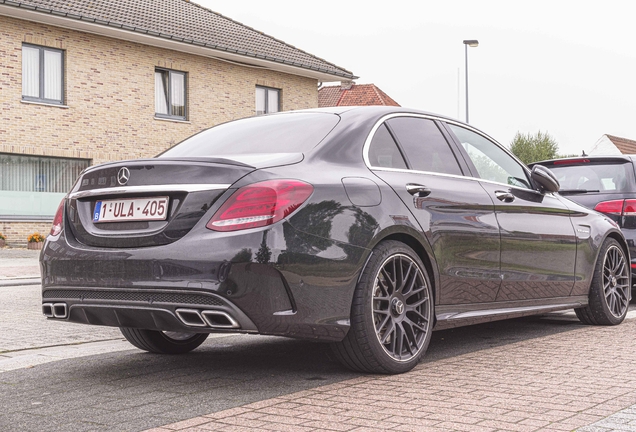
60 310
220 320
47 310
190 317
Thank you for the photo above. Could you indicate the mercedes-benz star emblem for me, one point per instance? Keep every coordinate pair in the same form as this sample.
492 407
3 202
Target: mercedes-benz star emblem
123 175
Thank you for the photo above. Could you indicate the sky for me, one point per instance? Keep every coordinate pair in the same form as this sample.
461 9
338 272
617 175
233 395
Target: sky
564 67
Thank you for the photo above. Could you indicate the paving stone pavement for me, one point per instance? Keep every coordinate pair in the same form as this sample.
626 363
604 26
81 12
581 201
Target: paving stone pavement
582 378
576 379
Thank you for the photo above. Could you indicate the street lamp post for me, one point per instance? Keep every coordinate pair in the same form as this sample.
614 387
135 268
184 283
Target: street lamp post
468 43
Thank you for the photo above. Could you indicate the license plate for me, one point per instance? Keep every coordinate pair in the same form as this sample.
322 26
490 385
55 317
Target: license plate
133 209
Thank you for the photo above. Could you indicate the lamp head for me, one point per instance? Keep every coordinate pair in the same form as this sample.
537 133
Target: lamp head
471 42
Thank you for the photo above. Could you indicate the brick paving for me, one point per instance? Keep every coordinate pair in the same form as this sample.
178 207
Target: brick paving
558 382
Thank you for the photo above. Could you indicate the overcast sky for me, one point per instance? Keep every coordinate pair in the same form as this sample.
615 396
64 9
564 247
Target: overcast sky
565 67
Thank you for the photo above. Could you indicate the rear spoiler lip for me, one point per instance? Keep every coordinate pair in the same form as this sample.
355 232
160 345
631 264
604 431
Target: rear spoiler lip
592 160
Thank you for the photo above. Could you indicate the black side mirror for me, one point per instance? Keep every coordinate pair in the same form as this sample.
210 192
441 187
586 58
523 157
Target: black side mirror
545 179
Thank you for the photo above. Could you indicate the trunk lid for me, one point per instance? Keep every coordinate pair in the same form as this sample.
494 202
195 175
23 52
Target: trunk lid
147 202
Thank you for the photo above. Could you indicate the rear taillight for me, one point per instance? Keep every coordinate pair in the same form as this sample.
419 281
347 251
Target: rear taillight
58 220
260 204
617 207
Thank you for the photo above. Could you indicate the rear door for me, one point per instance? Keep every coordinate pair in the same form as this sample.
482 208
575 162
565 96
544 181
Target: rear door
538 241
411 154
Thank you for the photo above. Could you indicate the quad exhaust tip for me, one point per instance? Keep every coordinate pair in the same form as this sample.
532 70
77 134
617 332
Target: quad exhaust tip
55 310
208 318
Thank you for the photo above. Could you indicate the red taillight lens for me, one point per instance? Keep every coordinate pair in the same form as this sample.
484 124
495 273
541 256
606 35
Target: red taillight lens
617 207
58 220
629 208
260 204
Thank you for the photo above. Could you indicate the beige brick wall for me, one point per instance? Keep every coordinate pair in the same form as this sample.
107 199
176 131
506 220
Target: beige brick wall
17 232
109 97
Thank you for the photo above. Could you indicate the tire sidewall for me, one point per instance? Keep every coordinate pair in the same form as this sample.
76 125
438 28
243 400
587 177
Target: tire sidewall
366 284
597 294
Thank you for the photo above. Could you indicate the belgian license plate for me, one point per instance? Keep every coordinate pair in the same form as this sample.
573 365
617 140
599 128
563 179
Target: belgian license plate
131 209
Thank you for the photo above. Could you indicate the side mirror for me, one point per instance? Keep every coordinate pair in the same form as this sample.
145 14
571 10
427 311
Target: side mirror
544 178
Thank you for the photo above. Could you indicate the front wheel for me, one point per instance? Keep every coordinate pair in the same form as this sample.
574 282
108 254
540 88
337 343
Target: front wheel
610 288
163 342
391 314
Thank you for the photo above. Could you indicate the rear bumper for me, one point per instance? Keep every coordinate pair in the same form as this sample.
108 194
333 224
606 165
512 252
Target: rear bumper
270 281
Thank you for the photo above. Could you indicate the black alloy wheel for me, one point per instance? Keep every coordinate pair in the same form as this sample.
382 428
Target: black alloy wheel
610 289
392 313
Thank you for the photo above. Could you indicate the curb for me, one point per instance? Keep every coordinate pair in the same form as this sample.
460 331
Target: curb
20 282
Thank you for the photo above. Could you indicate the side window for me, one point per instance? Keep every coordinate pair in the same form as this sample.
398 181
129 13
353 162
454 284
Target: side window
42 74
425 147
384 152
170 94
491 161
267 100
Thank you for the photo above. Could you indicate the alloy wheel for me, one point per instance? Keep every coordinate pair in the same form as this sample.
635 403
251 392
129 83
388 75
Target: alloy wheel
400 307
616 281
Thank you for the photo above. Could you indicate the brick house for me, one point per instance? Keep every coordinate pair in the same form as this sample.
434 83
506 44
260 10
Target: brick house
84 82
350 94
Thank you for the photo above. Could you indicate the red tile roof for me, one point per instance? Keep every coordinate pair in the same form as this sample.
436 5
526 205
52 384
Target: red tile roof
624 145
357 94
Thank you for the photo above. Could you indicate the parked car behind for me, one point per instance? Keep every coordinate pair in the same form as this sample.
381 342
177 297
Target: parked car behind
606 184
365 227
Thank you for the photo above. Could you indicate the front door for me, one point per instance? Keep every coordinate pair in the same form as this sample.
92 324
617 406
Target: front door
538 242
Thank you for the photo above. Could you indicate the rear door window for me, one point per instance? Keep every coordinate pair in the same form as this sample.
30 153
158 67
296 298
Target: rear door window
384 152
425 147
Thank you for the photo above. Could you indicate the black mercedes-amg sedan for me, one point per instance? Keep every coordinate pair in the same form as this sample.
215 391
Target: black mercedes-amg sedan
365 227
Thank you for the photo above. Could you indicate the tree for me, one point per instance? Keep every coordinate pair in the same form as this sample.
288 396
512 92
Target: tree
532 148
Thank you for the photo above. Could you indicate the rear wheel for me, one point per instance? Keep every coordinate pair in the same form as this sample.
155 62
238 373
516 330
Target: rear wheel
610 288
391 314
161 342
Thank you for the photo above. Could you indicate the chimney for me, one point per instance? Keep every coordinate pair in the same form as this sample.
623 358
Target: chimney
346 85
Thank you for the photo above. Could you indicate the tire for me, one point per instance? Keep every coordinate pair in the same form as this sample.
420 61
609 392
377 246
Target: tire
610 289
391 314
160 342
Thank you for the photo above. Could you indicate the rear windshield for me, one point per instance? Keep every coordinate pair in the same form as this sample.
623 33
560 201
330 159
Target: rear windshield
595 177
280 133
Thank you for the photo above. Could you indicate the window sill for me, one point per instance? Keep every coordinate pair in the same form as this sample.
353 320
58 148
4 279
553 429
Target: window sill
44 104
174 120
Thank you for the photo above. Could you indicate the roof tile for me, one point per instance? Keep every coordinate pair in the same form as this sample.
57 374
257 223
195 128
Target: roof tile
184 21
624 145
357 94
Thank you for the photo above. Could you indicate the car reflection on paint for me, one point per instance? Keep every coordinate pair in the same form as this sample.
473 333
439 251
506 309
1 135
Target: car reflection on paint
365 227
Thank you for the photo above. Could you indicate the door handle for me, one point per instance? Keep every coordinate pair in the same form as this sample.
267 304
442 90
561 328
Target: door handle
504 196
418 190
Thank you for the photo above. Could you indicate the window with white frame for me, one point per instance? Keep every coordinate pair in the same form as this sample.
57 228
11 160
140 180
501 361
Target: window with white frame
42 74
170 94
267 100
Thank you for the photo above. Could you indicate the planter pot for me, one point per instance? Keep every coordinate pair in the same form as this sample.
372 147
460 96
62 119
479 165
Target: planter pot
35 245
2 243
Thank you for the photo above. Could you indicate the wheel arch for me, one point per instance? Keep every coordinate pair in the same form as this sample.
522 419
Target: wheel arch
621 240
421 248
